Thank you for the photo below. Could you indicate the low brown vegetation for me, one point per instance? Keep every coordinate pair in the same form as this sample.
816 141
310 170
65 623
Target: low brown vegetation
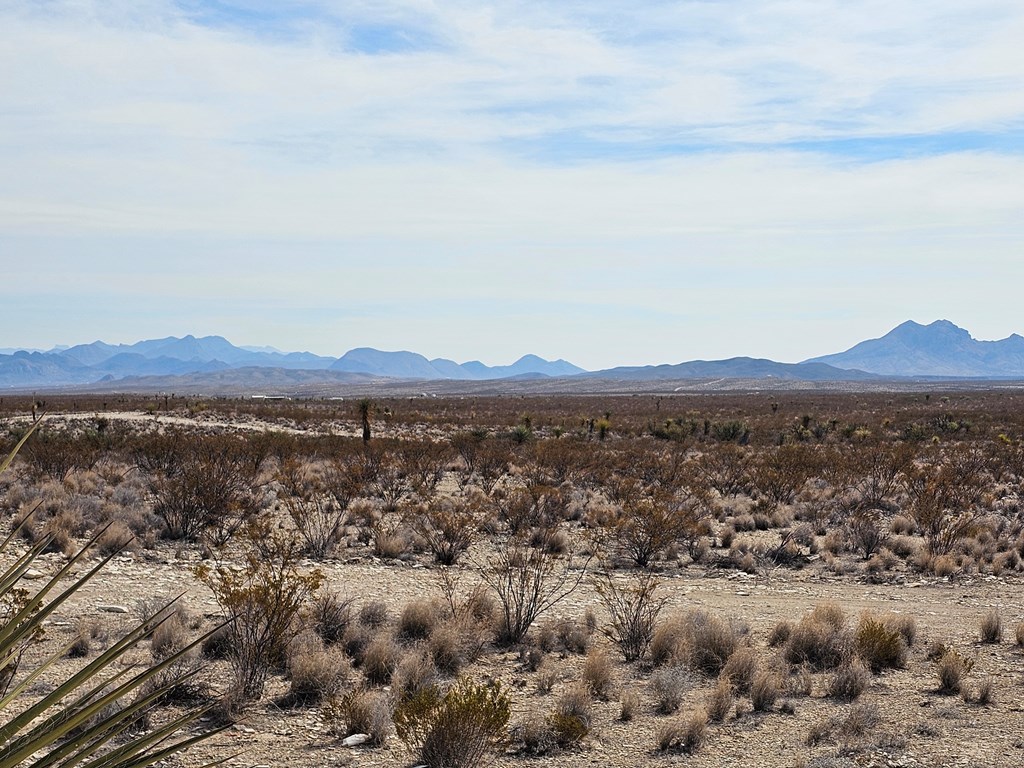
507 504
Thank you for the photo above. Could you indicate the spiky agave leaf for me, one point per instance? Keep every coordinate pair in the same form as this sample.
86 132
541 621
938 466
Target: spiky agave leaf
73 724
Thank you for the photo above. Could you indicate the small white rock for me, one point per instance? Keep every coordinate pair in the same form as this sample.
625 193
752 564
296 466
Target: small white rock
355 739
112 608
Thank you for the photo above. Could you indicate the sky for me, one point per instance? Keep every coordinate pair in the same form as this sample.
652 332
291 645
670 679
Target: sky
607 182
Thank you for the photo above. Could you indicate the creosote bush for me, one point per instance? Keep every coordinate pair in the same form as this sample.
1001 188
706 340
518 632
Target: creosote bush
878 645
456 728
261 599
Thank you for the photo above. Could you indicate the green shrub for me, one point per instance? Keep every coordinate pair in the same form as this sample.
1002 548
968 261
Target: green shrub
455 729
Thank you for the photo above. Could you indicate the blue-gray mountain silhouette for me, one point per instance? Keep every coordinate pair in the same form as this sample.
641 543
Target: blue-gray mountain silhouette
937 349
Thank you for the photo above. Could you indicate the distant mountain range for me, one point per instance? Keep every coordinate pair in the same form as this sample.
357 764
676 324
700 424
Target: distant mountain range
101 362
938 349
911 350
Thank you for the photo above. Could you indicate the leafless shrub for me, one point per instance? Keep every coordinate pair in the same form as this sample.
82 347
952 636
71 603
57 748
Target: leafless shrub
633 610
448 526
527 582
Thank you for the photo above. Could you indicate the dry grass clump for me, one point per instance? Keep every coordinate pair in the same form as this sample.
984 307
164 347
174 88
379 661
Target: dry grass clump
380 659
685 734
991 627
534 736
740 669
905 625
668 643
89 631
629 705
415 672
780 633
170 636
860 721
573 716
316 672
719 701
1019 634
360 711
598 673
951 669
116 537
564 636
880 646
418 620
218 644
986 692
329 615
710 642
849 680
800 683
669 685
820 640
374 614
764 690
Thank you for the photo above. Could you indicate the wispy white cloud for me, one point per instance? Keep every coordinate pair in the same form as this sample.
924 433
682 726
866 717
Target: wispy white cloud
589 154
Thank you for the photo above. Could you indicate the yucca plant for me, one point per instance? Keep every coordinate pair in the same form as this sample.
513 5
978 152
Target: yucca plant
90 720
